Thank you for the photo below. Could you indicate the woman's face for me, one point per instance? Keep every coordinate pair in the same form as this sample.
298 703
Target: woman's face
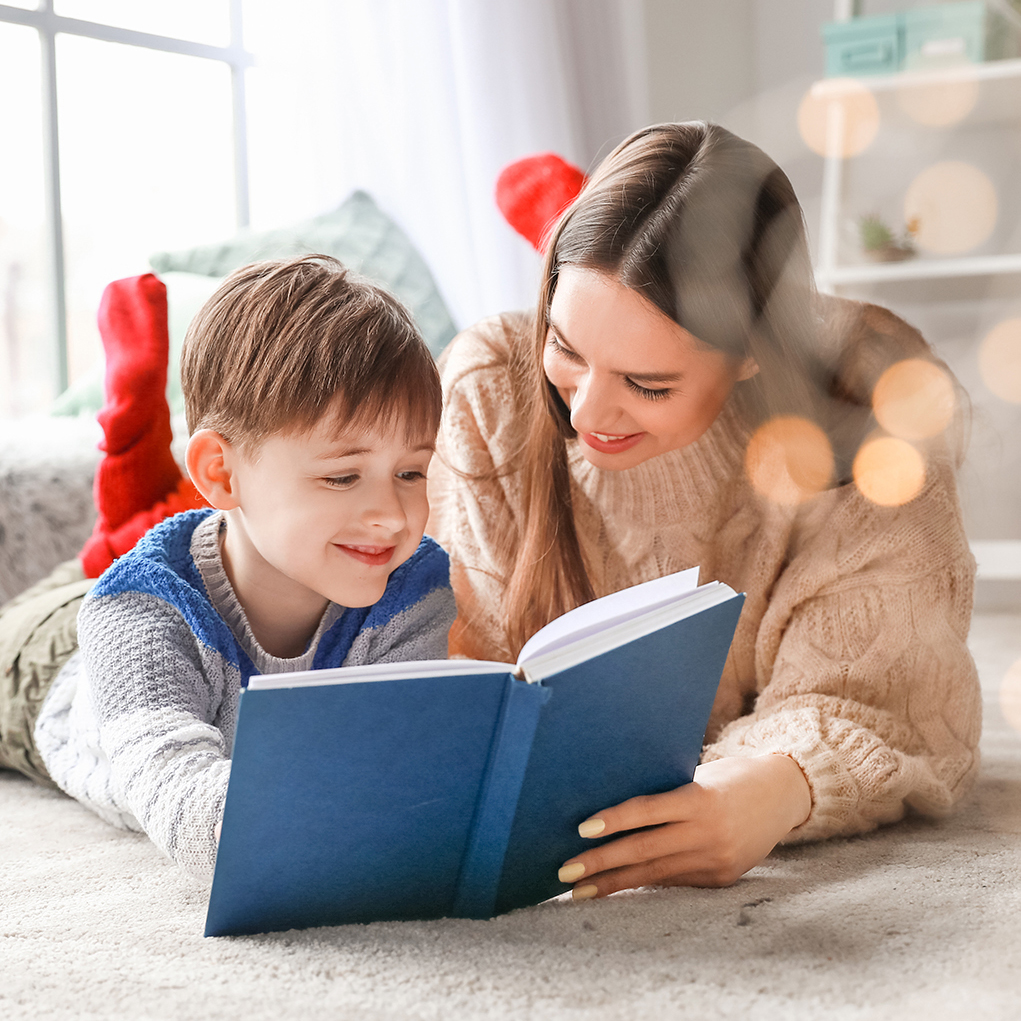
637 384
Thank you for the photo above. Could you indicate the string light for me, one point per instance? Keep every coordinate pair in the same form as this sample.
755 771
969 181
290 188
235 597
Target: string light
889 471
914 399
789 460
938 104
1010 696
999 360
838 117
954 205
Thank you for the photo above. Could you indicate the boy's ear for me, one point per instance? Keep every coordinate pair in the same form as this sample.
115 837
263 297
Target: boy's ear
211 462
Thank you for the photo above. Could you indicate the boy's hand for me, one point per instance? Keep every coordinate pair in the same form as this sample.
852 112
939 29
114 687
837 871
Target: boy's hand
707 833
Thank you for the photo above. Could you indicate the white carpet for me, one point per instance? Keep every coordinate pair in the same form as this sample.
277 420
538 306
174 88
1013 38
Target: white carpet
920 921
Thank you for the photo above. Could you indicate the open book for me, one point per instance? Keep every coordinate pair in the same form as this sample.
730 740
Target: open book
455 787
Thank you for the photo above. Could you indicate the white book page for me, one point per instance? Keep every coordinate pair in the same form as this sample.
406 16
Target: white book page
616 608
378 672
605 639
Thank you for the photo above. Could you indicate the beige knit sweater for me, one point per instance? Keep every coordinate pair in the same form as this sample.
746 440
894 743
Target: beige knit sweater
850 652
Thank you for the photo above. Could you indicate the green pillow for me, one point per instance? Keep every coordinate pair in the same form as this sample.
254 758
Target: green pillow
358 233
186 294
83 397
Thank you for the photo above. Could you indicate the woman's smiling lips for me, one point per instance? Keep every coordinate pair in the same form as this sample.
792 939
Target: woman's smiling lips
374 556
608 443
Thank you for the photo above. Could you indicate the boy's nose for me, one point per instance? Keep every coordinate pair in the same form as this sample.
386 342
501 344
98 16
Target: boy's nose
386 510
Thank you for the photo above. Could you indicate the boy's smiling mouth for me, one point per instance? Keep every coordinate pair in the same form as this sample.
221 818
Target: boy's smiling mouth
375 556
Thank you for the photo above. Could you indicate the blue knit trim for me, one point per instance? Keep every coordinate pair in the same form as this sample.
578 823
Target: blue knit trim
161 565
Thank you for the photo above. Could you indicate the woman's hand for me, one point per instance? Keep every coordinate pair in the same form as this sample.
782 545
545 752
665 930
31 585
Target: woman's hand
708 833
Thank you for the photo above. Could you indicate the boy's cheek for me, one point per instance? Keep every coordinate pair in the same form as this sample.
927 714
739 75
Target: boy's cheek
418 515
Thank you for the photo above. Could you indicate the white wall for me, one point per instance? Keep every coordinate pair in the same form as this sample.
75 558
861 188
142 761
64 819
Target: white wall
701 57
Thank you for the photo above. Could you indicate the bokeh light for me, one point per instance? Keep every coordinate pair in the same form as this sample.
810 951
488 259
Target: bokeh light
955 206
938 104
1010 696
789 460
999 360
838 117
889 471
914 399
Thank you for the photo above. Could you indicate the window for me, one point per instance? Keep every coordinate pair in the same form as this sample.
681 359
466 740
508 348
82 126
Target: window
122 133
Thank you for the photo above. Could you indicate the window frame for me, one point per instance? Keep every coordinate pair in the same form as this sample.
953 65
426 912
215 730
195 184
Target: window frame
48 25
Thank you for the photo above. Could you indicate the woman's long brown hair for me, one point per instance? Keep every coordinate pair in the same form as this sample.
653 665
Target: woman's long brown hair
707 228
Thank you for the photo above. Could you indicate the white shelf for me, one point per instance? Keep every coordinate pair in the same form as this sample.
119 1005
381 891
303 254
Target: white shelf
998 101
918 269
996 83
989 71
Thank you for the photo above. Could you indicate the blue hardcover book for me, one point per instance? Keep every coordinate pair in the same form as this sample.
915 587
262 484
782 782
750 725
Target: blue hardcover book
455 787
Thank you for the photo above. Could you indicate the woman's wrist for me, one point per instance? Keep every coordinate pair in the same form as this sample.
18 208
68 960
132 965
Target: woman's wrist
796 785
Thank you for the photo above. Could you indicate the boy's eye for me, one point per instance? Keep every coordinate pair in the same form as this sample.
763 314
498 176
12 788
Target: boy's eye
644 391
340 481
411 476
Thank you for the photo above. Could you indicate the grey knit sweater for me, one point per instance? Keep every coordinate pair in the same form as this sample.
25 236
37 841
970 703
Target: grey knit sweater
139 724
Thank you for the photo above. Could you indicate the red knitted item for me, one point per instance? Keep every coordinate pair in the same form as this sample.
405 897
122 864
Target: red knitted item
534 191
138 482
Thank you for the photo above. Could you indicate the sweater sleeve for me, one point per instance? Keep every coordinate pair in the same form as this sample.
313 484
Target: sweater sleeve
864 675
472 497
158 698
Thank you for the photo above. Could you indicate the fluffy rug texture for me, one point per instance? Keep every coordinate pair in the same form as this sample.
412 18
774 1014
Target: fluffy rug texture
919 921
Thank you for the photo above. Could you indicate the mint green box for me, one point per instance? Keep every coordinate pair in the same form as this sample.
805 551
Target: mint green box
943 35
864 46
956 33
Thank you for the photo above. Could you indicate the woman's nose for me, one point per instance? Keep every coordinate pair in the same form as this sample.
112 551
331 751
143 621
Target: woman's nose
592 405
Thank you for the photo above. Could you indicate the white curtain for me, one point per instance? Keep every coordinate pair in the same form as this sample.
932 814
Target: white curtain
423 102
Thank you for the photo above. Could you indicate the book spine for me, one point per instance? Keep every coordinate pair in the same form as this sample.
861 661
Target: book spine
479 878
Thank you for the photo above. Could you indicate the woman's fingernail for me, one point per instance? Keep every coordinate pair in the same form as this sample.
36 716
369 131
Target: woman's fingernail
569 873
591 828
586 892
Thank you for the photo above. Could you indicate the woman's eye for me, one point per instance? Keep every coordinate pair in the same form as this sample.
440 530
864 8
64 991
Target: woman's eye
341 481
557 348
644 391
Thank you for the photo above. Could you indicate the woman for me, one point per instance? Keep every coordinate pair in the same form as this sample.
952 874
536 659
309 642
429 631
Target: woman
617 436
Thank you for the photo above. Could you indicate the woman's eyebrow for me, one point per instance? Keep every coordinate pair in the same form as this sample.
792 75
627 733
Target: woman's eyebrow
654 377
647 377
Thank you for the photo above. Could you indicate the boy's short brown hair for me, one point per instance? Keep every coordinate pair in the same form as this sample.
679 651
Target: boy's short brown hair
283 344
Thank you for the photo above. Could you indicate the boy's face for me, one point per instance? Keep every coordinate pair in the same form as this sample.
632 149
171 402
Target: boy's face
330 513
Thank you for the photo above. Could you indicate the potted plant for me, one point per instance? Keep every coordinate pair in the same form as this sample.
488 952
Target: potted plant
881 244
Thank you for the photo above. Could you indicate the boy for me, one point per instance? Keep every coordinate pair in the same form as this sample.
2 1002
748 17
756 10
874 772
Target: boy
313 404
